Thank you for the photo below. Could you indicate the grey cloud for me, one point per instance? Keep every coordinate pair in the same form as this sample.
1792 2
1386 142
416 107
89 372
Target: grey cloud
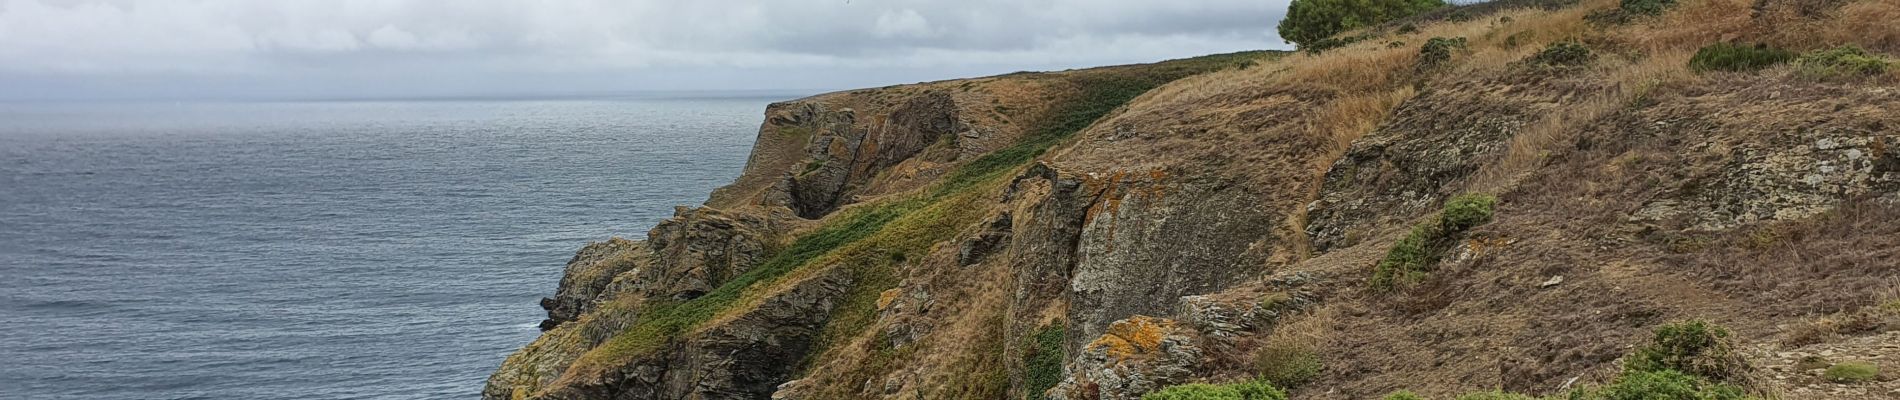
381 47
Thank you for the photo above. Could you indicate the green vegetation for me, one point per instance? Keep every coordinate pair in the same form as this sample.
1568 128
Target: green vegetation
1736 57
1100 92
1287 364
1562 54
1694 347
1310 21
1420 250
1403 395
1851 372
1646 7
1042 361
1664 384
1250 390
1842 62
1494 395
1437 51
1663 369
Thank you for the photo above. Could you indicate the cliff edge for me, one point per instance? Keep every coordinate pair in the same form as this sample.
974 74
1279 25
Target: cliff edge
1516 196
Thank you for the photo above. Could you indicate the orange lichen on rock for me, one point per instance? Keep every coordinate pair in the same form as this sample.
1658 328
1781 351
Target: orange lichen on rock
1136 336
885 299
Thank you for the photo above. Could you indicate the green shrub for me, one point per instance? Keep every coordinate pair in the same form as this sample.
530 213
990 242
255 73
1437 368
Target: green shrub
1736 57
1467 210
1494 396
1249 390
1287 364
1694 347
1420 250
1403 395
1560 54
1646 7
1043 361
1437 52
1664 385
1841 62
1309 21
1851 372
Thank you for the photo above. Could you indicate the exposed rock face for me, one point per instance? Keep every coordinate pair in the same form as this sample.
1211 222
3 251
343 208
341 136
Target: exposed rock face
844 153
588 275
1152 240
699 249
743 358
1423 153
1133 357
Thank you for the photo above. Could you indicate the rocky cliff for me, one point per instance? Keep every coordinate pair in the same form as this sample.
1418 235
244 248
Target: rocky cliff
1303 218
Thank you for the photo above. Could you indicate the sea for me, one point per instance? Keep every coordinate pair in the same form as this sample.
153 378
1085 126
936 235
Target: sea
348 249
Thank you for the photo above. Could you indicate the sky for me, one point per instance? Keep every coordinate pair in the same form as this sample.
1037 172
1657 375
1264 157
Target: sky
215 49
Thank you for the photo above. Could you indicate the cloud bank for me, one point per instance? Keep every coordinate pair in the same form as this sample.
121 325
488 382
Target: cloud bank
72 48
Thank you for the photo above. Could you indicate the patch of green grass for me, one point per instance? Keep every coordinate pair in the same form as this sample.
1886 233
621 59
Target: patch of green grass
1737 57
1568 53
1694 347
1663 384
1646 7
1842 62
1287 364
1494 395
1042 361
1403 395
1437 51
1419 251
1851 372
1249 390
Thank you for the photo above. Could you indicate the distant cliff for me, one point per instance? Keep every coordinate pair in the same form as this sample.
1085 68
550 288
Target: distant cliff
1489 197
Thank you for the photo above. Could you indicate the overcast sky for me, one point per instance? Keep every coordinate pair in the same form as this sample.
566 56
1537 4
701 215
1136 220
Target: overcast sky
55 49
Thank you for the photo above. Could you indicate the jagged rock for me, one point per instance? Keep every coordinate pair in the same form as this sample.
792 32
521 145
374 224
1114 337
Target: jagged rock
697 250
985 243
1148 241
589 274
1133 357
1771 181
740 358
844 153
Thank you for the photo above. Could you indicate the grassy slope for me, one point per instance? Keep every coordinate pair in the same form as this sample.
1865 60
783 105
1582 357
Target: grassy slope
869 238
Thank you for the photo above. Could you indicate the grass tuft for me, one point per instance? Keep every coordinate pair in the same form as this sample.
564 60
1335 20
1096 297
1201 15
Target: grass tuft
1842 62
1738 58
1419 251
1851 372
1258 389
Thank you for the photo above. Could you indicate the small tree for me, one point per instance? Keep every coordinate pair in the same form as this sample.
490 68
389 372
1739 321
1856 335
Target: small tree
1308 21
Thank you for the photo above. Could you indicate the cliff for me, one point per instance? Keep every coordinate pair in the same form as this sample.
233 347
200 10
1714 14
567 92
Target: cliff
1512 206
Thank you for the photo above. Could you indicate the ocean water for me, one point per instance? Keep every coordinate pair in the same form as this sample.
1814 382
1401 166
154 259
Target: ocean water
320 250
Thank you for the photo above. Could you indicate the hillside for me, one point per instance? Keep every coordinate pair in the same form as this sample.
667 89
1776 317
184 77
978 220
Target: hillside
1508 196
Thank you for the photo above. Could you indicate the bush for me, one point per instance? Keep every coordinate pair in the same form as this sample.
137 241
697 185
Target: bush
1494 396
1646 7
1403 395
1249 390
1309 21
1665 384
1839 62
1735 57
1322 45
1042 364
1467 210
1565 53
1693 347
1287 364
1851 372
1420 250
1437 51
